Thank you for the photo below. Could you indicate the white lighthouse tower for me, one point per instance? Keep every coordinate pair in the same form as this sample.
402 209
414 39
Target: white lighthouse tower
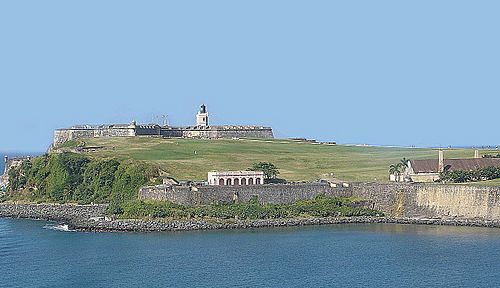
202 116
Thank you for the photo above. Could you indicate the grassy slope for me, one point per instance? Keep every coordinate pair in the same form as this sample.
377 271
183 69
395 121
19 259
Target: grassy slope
297 161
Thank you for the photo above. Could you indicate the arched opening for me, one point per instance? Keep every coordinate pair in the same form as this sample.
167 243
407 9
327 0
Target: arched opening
236 181
257 181
250 181
221 182
243 181
228 181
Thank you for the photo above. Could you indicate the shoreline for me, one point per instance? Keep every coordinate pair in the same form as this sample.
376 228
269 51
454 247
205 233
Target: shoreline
92 218
133 225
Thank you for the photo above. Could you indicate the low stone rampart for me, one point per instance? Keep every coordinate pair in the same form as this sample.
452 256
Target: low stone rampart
268 193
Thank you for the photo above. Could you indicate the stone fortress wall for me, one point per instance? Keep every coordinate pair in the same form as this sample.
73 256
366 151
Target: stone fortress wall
394 199
80 132
130 130
88 131
267 193
432 200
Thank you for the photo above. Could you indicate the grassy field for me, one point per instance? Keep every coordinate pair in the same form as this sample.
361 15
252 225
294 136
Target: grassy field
191 159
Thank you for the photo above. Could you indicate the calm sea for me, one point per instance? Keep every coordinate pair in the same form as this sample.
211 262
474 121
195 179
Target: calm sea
33 254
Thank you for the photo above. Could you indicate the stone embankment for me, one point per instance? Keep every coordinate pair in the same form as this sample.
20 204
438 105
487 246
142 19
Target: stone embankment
190 225
56 212
92 218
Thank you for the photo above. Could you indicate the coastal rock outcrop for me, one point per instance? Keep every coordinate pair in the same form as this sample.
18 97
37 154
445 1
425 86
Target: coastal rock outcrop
57 212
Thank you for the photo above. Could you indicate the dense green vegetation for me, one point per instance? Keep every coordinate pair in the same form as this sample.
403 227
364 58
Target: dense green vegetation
488 173
70 177
321 206
191 159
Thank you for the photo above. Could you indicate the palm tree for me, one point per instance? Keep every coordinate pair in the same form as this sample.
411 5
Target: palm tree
395 169
404 162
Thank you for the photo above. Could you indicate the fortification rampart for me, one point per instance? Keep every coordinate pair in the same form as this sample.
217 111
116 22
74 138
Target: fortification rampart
269 193
83 132
432 200
227 132
201 130
398 199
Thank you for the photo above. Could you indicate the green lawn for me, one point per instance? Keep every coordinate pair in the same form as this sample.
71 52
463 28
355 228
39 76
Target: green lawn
191 159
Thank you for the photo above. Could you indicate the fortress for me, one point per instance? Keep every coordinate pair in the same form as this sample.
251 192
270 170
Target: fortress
201 130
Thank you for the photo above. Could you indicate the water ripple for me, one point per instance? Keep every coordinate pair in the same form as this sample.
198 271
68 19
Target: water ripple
37 254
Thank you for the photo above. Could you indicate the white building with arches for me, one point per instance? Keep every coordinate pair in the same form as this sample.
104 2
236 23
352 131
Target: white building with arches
235 178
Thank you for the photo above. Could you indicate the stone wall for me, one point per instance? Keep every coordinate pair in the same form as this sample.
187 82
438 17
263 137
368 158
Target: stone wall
64 135
83 132
432 200
395 199
228 132
148 130
269 193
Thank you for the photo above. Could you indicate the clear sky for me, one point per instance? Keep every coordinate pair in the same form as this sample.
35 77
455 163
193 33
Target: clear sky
423 73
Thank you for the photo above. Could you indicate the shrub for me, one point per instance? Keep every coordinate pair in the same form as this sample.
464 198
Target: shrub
319 207
488 173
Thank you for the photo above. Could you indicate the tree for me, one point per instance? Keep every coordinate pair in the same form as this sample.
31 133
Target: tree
269 169
404 162
395 169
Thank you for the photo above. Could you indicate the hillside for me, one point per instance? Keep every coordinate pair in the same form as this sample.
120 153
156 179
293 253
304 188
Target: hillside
191 159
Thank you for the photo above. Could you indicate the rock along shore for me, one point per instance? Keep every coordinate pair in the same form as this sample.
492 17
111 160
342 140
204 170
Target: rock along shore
91 218
190 225
55 212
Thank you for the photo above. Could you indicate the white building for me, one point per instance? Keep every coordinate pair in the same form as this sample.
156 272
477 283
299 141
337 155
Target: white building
235 178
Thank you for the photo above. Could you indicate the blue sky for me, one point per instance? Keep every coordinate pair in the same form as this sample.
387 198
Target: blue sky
422 73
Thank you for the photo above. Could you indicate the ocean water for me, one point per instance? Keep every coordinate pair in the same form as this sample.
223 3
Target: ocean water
42 254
